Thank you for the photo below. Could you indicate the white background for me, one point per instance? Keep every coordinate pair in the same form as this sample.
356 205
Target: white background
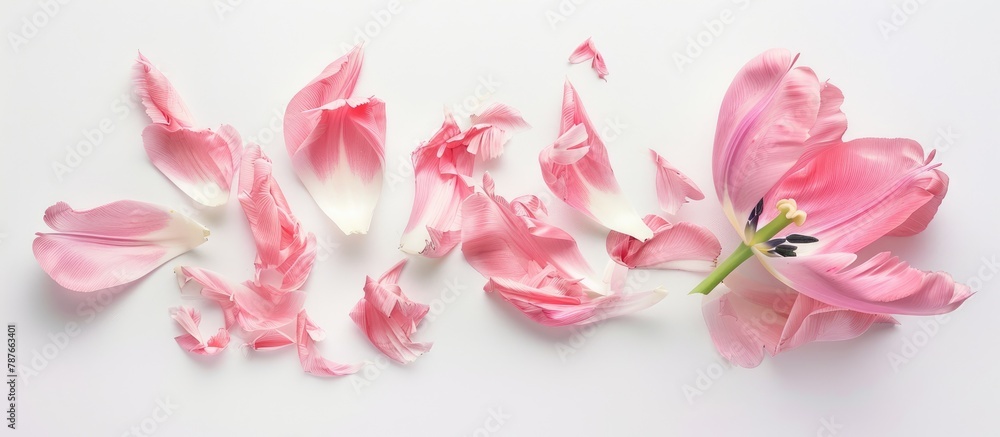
937 73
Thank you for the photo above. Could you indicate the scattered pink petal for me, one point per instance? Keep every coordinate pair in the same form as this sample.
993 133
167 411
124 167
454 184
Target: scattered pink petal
588 52
113 244
251 307
201 162
673 188
684 246
443 172
577 170
337 144
536 266
491 129
192 340
389 318
285 251
307 334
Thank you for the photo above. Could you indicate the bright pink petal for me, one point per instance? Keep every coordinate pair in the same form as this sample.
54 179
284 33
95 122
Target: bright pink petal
673 188
587 51
443 169
307 334
856 192
683 246
491 129
285 251
585 180
342 159
336 82
192 340
163 104
252 307
765 120
273 339
200 162
882 284
113 244
388 318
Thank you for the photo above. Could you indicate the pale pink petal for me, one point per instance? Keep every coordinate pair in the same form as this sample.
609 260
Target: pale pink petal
442 170
388 318
285 251
673 188
587 51
252 307
201 163
336 82
765 120
273 339
113 244
163 104
587 184
882 284
341 160
307 334
684 246
491 129
856 192
192 340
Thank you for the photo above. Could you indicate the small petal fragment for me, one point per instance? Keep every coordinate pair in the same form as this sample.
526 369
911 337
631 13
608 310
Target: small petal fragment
388 318
587 51
252 307
112 244
306 336
192 340
683 246
673 188
163 103
491 129
577 170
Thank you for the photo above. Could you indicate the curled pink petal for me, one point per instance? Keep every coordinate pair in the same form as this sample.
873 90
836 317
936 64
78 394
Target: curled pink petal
491 129
580 173
192 340
163 103
683 246
443 170
587 51
285 251
306 336
200 162
765 120
113 244
252 307
388 318
673 188
882 284
535 266
859 191
337 144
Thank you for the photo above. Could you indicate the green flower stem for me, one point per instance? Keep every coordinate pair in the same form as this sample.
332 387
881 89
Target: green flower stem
741 254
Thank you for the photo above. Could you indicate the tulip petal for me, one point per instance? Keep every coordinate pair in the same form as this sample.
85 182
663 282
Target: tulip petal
683 246
342 159
306 335
673 188
587 51
857 192
163 103
252 307
113 244
765 120
285 251
882 284
587 183
442 170
192 340
336 82
200 162
388 318
491 129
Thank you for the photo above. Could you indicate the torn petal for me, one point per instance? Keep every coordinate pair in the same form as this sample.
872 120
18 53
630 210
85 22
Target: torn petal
252 307
336 82
192 341
163 104
113 244
683 246
491 129
306 336
587 51
673 188
580 173
388 318
201 163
